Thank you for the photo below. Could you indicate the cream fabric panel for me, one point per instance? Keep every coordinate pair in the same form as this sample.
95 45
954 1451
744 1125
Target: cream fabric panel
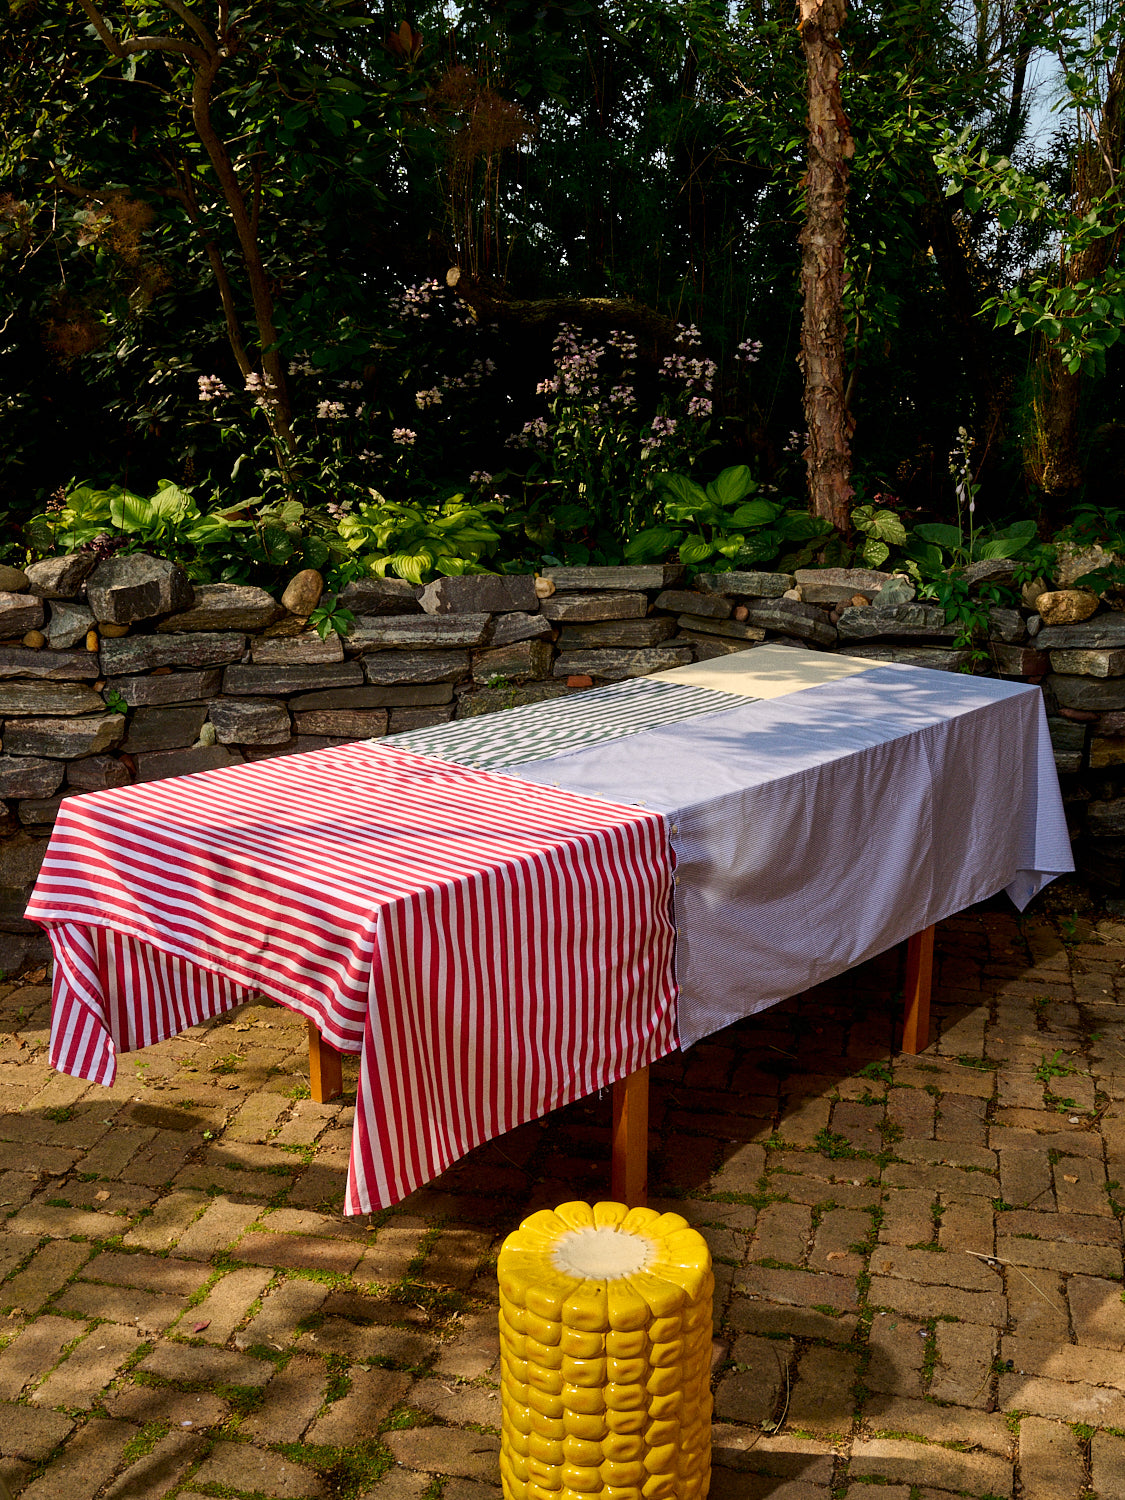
767 671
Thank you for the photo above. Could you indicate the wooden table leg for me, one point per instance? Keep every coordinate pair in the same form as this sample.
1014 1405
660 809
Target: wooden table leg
919 980
326 1075
629 1179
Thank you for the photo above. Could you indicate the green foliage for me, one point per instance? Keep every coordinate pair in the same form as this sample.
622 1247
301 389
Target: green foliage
835 1146
330 618
413 541
726 523
1075 299
638 154
227 545
880 1071
882 529
1052 1067
597 455
1104 525
170 523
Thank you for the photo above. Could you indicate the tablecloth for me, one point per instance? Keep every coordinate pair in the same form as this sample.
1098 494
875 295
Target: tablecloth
490 949
818 827
496 937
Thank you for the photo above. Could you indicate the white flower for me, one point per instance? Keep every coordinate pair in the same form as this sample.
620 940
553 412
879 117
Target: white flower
404 436
211 388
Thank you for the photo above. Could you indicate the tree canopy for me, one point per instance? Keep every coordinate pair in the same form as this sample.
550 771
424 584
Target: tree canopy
284 250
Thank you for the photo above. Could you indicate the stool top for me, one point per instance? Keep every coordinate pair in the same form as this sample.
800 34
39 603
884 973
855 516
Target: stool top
605 1253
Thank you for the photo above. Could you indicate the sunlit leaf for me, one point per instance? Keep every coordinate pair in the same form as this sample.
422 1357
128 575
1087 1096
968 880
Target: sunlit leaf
755 513
695 550
731 485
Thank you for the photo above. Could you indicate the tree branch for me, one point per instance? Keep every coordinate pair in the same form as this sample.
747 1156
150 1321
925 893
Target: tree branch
206 63
186 195
138 43
210 45
490 305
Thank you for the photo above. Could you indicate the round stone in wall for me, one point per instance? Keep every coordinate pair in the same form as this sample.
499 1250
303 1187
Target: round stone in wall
302 593
1066 606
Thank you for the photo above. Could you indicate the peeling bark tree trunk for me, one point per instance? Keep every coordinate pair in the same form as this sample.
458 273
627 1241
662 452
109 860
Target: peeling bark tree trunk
828 454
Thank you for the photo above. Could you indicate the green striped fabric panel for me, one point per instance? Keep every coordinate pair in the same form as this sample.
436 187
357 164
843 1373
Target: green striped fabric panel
488 742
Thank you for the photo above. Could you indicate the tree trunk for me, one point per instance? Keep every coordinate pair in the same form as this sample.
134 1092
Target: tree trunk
205 56
1056 465
830 425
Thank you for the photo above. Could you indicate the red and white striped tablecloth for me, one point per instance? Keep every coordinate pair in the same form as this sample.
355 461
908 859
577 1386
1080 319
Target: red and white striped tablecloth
491 949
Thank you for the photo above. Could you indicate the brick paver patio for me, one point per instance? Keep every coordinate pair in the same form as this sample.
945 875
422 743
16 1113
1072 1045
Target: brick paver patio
918 1260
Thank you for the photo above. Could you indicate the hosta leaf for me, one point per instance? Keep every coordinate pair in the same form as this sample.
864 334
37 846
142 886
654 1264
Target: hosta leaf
755 513
683 490
171 503
796 526
1000 546
655 542
942 535
695 550
1027 530
130 512
760 548
731 485
566 516
412 565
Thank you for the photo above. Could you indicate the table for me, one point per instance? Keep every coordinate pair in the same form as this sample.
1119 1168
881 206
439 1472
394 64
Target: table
503 914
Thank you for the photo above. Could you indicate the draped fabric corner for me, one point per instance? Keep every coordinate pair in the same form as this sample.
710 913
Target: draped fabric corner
489 951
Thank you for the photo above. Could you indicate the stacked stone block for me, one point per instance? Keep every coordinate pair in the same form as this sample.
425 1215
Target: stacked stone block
121 670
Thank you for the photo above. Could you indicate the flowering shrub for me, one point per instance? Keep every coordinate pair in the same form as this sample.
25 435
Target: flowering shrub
594 460
396 410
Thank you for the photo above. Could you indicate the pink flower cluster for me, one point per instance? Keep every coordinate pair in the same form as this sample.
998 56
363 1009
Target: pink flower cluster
695 373
472 377
262 389
662 427
530 434
576 366
211 388
415 302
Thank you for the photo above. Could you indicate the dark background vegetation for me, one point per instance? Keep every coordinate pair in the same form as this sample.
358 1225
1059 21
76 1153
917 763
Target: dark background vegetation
645 151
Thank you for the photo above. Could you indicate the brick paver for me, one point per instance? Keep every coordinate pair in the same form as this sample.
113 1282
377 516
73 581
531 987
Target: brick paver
225 1306
293 1398
89 1367
918 1260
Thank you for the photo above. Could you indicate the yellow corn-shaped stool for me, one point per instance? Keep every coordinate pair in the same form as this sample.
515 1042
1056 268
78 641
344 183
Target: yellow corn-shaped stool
605 1356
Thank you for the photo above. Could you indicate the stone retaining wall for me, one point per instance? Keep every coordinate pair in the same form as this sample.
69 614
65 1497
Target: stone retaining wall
117 670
